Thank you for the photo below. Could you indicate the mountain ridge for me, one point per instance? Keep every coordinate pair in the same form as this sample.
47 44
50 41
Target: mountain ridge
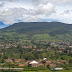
37 26
37 31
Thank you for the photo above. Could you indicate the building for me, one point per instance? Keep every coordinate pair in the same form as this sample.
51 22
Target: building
21 65
17 60
45 59
8 60
57 69
34 63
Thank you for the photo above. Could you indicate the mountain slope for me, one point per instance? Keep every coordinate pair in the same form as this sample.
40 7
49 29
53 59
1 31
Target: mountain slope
39 27
37 31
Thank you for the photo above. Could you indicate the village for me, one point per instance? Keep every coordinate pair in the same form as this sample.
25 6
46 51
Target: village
47 61
21 63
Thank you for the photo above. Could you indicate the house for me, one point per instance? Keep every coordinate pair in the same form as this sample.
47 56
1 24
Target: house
41 65
21 65
34 47
34 63
12 63
71 51
52 65
54 61
59 51
63 61
58 69
48 62
45 59
40 50
70 46
29 46
26 63
62 48
1 53
17 60
40 61
22 60
8 60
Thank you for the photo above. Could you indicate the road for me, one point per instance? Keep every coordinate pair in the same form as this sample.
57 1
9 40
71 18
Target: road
15 69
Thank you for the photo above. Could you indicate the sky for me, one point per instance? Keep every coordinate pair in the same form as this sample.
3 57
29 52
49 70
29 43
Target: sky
13 11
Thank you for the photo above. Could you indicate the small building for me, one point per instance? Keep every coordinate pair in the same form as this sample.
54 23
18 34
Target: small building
48 62
21 65
52 65
45 59
41 65
17 60
8 60
34 63
26 64
57 69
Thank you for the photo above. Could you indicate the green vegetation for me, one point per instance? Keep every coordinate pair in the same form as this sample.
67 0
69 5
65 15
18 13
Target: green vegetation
42 31
40 71
34 41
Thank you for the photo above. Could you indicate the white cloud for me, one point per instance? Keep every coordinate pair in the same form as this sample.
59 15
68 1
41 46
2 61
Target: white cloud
52 1
10 0
35 10
1 4
31 19
9 16
63 16
45 9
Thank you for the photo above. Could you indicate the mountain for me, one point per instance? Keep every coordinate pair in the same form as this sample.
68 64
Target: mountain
39 31
39 27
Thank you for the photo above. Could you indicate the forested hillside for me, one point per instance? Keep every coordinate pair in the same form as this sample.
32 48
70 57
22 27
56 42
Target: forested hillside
28 31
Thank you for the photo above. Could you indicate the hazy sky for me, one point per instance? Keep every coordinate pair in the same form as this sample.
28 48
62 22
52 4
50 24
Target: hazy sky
12 11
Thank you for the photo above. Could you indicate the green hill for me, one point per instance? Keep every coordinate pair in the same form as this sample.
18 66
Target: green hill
39 27
37 31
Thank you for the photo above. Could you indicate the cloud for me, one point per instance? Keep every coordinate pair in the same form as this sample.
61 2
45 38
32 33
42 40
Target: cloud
13 11
45 9
9 16
32 19
9 0
1 4
63 16
52 1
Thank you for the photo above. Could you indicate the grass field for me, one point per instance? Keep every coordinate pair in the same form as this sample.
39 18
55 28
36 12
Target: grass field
40 71
49 71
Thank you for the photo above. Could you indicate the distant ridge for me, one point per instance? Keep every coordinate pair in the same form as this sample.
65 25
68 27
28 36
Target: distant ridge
37 31
39 27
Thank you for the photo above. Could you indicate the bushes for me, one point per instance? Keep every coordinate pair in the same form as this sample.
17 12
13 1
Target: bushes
70 62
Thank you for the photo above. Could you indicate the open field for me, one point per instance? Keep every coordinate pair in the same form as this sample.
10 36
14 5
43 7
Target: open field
49 71
40 71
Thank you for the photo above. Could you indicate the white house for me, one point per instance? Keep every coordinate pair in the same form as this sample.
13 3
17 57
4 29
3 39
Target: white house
58 69
34 63
45 59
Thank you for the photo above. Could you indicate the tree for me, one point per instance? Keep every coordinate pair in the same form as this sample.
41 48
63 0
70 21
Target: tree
44 62
70 62
29 65
48 66
20 50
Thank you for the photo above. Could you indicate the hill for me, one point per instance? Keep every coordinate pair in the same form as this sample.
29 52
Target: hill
37 31
39 27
